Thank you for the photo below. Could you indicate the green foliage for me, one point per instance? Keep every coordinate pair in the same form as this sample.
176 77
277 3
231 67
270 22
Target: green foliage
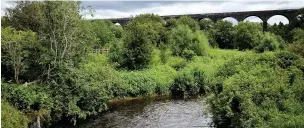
182 38
160 57
11 117
287 59
141 33
247 35
17 47
298 20
297 45
27 97
206 24
188 54
257 90
171 23
66 82
155 33
118 31
190 81
177 63
148 82
137 48
188 21
280 30
270 42
26 15
106 33
224 34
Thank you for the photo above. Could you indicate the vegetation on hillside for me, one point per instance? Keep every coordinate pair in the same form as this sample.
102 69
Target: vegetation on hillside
251 78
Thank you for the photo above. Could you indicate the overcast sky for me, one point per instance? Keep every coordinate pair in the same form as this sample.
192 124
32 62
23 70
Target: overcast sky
119 9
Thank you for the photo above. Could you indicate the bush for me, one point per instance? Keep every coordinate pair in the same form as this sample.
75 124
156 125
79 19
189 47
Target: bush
24 97
136 53
177 63
148 82
139 84
257 90
182 38
11 117
106 33
223 34
189 81
141 33
171 23
270 42
287 59
297 45
206 24
247 35
188 21
188 54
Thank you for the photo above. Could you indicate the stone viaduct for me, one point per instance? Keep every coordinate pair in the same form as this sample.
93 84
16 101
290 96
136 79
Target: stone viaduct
239 16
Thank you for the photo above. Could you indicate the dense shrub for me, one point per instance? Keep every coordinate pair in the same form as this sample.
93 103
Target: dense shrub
136 53
104 31
188 81
24 97
297 45
270 42
142 33
171 23
188 21
206 24
177 63
188 54
182 38
279 29
155 24
256 90
223 34
247 35
149 82
11 117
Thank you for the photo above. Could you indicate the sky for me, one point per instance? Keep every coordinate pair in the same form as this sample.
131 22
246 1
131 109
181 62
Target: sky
120 9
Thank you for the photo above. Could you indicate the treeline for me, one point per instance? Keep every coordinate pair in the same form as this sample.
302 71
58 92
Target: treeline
48 70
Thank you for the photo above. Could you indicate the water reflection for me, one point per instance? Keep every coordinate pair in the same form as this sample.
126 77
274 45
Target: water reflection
152 112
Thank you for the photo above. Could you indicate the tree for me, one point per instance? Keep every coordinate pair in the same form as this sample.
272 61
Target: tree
270 42
298 20
103 31
224 33
187 20
62 36
16 48
157 31
171 23
141 34
185 42
206 24
26 15
280 30
137 46
297 45
247 35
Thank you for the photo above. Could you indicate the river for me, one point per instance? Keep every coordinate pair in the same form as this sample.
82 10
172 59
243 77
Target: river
152 112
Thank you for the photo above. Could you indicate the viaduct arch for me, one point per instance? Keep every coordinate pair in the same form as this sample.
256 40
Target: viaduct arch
239 16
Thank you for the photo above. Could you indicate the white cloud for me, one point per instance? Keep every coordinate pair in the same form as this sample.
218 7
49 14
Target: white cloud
200 7
197 7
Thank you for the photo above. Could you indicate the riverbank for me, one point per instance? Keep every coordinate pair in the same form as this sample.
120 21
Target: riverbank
226 77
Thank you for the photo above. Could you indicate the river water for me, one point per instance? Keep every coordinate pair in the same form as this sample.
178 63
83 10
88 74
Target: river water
152 112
